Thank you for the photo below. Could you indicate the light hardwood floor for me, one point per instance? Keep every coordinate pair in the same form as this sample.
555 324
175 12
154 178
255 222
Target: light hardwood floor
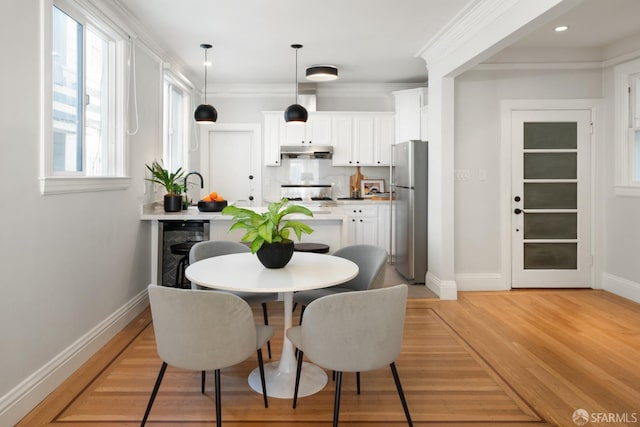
519 358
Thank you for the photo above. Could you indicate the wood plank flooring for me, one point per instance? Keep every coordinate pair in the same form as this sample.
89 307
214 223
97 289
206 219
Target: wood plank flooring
519 358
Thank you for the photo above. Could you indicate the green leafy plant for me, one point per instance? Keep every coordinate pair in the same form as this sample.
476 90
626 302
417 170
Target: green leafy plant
268 227
169 180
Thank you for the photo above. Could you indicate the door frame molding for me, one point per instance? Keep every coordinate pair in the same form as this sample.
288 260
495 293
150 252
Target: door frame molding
507 107
256 143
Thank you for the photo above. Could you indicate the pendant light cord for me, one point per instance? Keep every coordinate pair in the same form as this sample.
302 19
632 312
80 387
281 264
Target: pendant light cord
205 75
296 79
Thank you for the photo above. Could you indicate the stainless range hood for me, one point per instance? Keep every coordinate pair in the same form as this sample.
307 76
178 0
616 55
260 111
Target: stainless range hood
306 151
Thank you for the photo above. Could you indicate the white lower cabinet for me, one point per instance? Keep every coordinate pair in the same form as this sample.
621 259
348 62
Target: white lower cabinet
362 224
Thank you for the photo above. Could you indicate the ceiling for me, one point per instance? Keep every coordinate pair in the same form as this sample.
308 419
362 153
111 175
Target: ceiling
370 41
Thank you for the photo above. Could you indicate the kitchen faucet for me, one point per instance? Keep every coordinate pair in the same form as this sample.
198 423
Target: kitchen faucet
186 198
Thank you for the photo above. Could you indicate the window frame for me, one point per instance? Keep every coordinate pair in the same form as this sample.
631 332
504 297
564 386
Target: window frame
169 82
58 182
626 154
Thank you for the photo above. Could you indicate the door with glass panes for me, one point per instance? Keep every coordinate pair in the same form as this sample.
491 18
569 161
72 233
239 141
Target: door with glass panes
550 205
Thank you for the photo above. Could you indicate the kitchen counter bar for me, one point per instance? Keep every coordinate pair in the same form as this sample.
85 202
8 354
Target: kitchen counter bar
328 224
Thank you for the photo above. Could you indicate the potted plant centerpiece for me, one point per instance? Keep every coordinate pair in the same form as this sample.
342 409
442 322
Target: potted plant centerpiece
269 232
171 182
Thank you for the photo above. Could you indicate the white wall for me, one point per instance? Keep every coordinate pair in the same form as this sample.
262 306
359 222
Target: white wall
477 130
70 261
621 217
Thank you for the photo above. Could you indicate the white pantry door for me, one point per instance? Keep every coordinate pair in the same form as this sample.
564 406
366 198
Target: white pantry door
550 204
232 159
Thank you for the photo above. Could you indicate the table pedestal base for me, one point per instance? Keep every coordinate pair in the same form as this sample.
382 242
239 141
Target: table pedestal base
281 384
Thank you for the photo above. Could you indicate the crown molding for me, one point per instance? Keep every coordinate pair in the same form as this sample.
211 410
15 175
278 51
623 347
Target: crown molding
335 90
591 65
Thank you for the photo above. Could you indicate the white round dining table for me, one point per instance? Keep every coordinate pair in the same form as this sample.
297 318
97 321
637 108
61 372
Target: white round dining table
305 271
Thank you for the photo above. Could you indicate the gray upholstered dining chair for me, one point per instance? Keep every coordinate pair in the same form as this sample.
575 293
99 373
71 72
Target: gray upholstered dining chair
204 330
211 248
371 262
353 332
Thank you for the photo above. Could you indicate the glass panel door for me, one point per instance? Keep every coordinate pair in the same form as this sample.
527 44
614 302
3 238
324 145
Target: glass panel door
550 188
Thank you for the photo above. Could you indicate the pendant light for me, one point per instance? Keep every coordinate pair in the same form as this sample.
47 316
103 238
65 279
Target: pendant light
296 112
205 113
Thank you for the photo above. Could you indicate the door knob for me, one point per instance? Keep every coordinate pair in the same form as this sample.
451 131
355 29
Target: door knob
517 211
250 197
250 176
517 198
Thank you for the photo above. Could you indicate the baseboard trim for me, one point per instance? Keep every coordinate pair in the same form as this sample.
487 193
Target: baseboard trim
481 282
621 286
445 289
19 401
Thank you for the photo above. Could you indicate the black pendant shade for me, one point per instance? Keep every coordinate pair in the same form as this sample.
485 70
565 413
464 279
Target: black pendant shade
205 113
296 112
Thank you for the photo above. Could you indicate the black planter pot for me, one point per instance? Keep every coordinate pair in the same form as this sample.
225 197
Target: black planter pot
275 255
172 203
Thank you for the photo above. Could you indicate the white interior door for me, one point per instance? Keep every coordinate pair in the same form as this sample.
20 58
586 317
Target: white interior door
231 161
550 209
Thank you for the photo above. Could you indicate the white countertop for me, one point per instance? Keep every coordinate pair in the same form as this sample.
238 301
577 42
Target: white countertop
155 211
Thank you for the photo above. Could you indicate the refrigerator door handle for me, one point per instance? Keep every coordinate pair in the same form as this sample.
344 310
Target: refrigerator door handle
392 164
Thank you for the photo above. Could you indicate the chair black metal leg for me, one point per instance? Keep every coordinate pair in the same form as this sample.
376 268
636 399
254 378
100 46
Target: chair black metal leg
266 322
302 307
298 372
204 375
163 368
295 304
336 404
262 380
396 378
358 382
218 399
178 281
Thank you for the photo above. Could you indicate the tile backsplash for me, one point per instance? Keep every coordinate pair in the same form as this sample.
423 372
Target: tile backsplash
314 171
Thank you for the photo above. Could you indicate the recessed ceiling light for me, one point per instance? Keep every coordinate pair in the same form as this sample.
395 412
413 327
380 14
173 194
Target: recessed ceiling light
561 28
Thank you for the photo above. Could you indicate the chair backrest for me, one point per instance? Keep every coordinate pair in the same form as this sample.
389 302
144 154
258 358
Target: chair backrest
371 262
355 331
211 248
201 330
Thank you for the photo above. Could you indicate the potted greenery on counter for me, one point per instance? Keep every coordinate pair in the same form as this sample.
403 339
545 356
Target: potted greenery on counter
269 232
171 182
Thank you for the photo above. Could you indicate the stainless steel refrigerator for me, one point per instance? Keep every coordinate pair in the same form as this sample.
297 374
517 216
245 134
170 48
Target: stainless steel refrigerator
409 178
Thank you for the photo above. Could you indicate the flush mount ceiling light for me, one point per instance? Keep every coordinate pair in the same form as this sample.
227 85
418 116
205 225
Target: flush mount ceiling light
561 28
205 113
296 112
322 73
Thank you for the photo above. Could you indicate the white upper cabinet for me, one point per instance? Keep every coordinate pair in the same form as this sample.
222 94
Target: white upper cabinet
342 130
362 139
383 139
409 114
316 131
271 139
358 138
